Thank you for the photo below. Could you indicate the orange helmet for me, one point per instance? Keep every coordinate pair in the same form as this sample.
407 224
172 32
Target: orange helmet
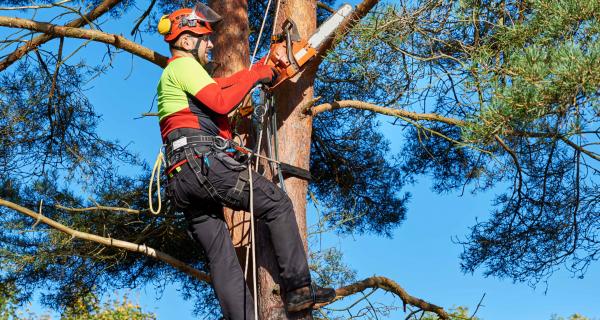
196 20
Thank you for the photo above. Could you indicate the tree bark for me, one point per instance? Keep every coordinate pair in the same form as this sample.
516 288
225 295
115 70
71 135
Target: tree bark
294 131
230 54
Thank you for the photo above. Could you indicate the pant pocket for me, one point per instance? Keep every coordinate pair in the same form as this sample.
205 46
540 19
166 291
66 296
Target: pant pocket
229 162
269 189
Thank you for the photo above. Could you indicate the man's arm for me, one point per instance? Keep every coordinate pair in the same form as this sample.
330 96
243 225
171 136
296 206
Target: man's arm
220 99
225 82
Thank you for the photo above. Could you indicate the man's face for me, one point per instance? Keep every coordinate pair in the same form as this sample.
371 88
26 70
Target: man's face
204 49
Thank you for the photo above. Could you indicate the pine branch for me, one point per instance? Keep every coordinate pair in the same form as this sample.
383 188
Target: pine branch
129 246
100 208
94 35
34 43
390 286
361 10
399 113
35 7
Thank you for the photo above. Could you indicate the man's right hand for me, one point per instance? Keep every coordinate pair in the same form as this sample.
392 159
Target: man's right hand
266 74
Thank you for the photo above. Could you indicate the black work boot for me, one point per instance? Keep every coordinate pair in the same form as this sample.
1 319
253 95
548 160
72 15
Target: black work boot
306 297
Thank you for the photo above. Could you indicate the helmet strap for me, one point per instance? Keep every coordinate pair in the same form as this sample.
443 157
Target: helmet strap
195 50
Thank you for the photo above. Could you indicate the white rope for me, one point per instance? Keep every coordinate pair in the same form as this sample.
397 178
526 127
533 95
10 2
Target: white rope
156 173
254 286
247 260
276 15
262 27
274 22
252 227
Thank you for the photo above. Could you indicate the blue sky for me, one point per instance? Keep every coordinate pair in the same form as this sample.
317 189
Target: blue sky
420 256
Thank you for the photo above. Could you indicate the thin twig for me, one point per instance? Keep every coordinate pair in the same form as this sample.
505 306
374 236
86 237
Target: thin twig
478 305
143 17
34 43
40 6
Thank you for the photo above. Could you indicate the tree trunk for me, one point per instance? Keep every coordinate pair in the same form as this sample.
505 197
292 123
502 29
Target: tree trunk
231 53
294 148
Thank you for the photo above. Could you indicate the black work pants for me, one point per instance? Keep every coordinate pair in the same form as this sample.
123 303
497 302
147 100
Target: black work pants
206 225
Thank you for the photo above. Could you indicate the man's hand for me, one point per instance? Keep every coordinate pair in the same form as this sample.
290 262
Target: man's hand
280 53
266 74
270 67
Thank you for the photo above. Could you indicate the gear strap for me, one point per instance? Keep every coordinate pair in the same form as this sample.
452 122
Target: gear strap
234 195
190 155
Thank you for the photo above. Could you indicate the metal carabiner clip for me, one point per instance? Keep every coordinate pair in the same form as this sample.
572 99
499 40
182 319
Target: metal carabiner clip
220 143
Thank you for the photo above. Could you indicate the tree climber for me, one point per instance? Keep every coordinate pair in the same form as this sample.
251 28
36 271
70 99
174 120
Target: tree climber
203 177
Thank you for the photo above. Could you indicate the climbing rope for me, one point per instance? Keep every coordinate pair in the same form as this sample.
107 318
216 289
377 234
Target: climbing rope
156 173
252 227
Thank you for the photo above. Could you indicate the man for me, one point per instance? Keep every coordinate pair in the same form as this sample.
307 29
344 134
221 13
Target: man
193 110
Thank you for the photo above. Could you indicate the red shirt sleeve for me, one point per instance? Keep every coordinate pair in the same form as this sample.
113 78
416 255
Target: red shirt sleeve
225 82
224 95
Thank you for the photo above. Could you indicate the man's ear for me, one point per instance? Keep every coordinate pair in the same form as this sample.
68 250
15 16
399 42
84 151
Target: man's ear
185 41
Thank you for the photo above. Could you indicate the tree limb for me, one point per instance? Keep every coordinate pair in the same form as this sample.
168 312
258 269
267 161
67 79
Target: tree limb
95 35
100 208
324 6
390 286
399 113
101 9
129 246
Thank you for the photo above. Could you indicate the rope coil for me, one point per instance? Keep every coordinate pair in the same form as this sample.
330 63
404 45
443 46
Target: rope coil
156 173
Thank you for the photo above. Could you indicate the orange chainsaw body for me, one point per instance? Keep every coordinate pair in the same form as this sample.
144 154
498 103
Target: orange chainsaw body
301 52
289 53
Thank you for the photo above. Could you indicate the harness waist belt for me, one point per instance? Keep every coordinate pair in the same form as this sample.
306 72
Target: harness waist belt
174 150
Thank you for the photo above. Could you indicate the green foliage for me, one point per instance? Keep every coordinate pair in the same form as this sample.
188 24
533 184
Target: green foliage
459 313
522 79
86 307
329 270
539 69
89 307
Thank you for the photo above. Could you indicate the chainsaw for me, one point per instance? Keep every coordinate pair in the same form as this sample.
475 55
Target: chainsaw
298 51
